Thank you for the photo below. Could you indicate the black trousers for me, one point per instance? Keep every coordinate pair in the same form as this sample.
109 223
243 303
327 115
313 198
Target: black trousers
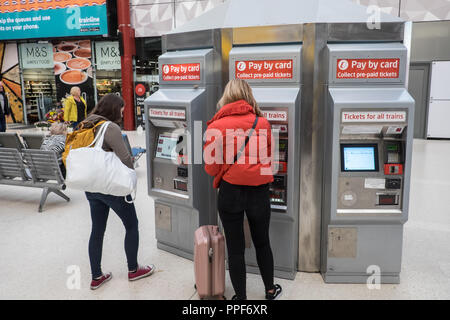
2 122
100 205
233 202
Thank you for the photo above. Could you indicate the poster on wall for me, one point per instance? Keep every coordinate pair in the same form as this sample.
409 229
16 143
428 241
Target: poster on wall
141 92
27 19
10 77
73 68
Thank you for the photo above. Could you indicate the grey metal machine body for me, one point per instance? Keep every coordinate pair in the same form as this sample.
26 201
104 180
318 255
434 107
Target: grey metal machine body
277 89
367 162
176 116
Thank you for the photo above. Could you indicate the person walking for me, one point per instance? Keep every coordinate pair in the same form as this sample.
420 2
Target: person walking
110 108
243 179
75 108
4 108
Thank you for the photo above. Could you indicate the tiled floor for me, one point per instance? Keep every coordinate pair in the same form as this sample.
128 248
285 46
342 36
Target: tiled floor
39 249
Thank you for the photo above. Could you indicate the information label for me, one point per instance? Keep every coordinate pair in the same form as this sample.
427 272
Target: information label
368 68
107 55
373 116
181 72
264 69
272 115
167 113
36 55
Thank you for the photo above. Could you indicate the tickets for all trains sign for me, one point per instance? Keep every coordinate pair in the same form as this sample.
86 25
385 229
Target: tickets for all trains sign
373 116
167 113
275 115
368 68
264 69
181 72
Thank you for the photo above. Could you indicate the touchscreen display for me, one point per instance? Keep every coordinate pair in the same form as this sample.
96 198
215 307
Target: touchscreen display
166 146
359 157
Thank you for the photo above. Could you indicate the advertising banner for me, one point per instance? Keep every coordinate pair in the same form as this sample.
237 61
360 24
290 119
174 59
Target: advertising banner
73 67
141 90
368 68
29 19
36 55
107 55
10 77
264 69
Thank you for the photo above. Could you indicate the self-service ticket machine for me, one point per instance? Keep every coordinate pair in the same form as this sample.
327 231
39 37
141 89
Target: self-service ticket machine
274 75
367 162
177 115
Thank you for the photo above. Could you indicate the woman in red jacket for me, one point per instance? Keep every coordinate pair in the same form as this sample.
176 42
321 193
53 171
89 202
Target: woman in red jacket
242 172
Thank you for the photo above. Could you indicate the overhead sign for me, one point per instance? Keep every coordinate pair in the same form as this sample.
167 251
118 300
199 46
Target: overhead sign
368 68
181 72
36 55
52 18
374 116
107 55
264 69
275 115
167 113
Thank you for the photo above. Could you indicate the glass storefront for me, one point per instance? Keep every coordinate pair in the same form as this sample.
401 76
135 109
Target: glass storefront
40 93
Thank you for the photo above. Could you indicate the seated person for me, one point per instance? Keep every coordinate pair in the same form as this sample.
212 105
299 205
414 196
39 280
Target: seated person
56 141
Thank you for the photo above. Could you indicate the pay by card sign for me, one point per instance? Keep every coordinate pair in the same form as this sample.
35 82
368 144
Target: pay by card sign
264 69
368 68
181 72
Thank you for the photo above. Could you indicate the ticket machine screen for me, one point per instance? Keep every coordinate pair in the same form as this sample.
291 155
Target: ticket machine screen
358 158
166 146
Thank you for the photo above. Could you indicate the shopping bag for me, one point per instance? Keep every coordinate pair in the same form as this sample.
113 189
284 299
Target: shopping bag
92 169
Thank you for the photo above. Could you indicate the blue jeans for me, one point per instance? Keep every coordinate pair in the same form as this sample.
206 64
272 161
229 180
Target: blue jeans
100 205
2 123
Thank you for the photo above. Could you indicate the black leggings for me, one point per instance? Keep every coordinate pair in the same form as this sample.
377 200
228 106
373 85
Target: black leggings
100 205
233 201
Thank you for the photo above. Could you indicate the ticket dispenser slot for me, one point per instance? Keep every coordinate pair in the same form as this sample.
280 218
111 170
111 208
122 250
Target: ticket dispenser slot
274 72
367 161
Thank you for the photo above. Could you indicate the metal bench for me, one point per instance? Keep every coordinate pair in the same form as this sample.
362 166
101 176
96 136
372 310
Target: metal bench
10 140
32 140
32 168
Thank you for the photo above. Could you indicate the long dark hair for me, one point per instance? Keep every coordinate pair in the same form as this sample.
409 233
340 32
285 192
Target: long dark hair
109 107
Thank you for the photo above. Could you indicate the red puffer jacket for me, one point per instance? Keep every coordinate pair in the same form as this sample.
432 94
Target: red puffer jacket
227 131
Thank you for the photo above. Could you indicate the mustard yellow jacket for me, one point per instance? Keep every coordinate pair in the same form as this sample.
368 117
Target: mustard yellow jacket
70 109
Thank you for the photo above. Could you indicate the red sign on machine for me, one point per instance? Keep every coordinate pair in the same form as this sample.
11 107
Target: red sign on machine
264 69
368 68
181 72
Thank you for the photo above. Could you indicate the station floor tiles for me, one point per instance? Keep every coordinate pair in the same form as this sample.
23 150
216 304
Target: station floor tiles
41 252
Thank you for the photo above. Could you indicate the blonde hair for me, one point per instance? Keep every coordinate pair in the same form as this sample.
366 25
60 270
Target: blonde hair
58 128
72 90
236 90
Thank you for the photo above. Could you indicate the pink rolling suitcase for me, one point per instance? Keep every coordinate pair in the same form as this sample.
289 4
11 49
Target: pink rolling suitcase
209 262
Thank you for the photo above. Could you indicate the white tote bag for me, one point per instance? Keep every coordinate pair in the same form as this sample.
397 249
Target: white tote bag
92 169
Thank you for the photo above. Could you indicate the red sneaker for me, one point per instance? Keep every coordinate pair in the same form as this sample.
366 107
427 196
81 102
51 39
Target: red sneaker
141 272
95 284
